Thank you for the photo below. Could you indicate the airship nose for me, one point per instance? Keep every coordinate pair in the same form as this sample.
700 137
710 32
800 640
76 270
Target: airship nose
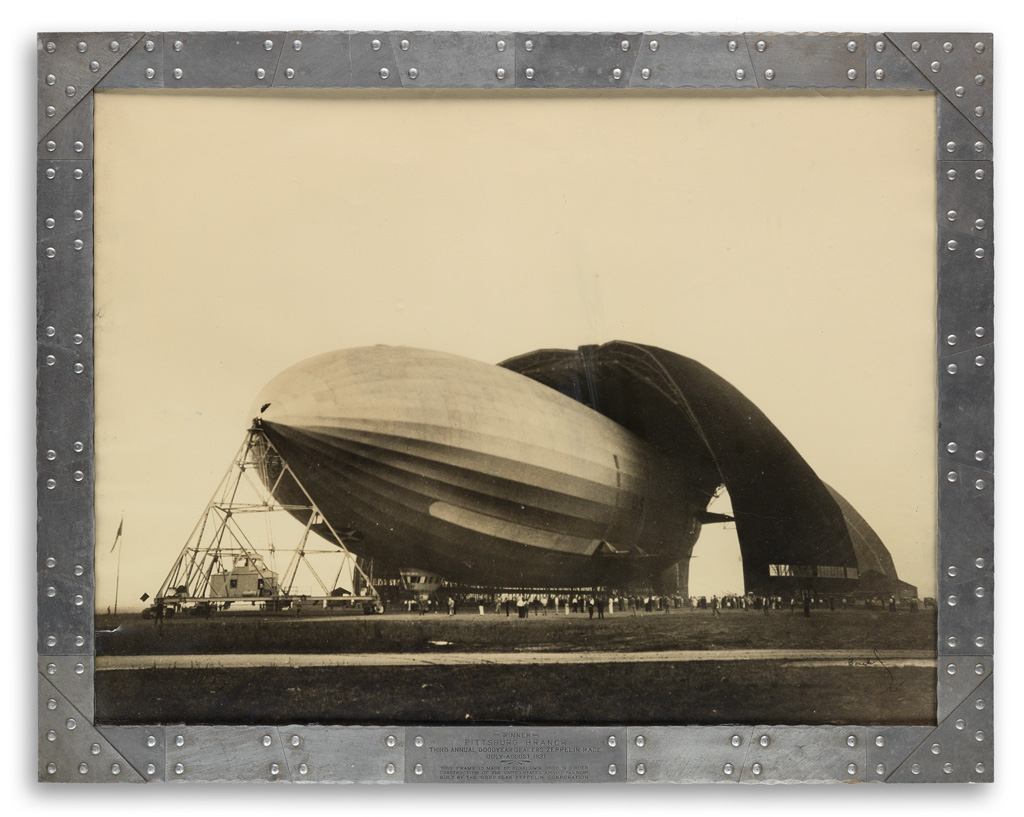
353 384
291 395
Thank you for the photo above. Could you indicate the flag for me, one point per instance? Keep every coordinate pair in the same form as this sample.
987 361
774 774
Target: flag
117 536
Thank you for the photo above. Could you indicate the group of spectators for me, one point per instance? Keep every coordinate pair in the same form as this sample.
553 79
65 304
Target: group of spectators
589 604
599 603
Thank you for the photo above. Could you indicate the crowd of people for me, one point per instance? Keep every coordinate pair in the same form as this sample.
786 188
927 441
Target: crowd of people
598 604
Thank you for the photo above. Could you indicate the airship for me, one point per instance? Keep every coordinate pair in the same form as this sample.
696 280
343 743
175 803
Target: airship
591 467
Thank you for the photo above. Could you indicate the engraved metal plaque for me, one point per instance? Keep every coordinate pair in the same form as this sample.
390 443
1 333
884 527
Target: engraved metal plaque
507 754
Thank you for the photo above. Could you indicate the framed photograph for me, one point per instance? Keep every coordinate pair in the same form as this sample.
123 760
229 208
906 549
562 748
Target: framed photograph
515 407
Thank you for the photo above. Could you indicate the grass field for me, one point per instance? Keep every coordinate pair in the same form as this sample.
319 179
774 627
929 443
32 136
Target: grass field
687 630
669 692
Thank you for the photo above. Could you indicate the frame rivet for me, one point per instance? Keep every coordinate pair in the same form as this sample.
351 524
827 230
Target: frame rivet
769 74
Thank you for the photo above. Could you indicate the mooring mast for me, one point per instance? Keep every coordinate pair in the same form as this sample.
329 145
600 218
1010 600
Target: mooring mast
225 558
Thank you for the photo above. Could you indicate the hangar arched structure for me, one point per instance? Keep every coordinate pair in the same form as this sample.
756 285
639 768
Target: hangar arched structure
559 468
795 532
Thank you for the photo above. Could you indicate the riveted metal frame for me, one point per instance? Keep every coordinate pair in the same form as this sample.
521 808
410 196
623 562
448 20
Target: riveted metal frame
956 67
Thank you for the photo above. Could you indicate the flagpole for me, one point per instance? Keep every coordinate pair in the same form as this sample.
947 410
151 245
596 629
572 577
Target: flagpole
117 582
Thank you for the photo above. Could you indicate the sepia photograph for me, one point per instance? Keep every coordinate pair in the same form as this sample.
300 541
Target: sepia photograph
546 407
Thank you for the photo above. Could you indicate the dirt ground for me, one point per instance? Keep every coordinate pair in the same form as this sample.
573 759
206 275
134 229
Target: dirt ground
661 693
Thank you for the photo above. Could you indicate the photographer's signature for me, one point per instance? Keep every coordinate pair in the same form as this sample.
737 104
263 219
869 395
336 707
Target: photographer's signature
894 685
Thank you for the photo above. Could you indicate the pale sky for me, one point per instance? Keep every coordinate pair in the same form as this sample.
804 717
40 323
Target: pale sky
785 239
